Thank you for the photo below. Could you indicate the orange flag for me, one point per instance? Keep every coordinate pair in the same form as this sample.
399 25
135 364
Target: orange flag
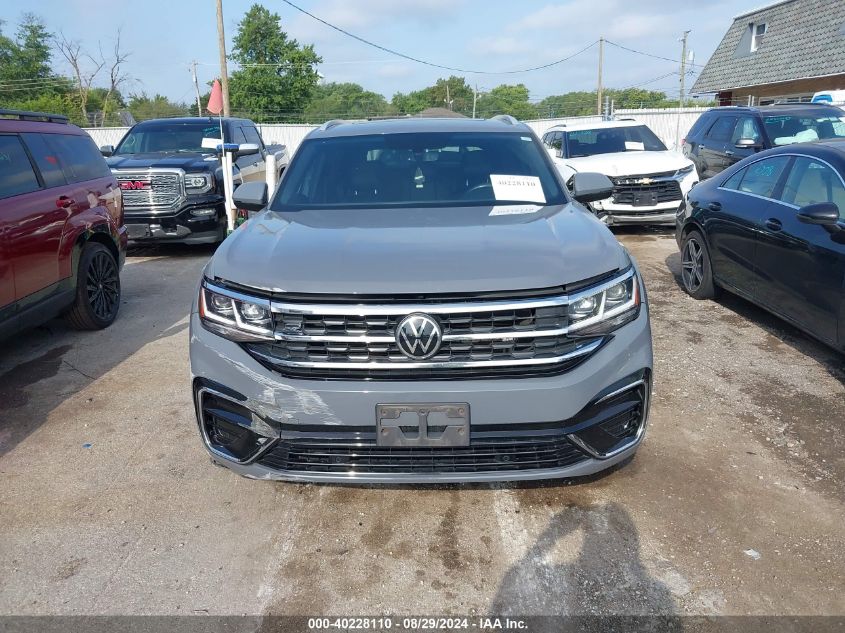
215 101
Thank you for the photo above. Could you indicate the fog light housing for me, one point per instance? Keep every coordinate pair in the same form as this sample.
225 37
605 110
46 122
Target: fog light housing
228 428
200 213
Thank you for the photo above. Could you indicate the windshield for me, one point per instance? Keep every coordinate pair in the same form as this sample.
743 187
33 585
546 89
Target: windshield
168 137
795 128
437 169
611 140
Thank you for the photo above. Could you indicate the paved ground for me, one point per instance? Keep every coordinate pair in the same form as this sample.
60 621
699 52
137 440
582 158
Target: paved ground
109 505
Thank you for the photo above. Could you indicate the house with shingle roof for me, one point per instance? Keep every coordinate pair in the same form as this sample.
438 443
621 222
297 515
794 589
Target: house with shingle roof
786 51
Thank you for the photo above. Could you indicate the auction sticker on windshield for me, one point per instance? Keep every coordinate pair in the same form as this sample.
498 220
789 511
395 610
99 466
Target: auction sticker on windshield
517 188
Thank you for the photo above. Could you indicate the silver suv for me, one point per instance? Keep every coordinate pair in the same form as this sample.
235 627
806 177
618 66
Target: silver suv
421 301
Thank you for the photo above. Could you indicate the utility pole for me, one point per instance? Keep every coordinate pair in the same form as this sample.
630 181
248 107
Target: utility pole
681 94
196 87
474 99
599 90
683 66
221 45
606 107
448 100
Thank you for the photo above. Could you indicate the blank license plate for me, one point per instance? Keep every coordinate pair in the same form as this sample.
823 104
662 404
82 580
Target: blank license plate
137 231
425 424
645 199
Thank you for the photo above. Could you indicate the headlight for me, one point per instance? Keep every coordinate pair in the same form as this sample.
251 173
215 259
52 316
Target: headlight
235 316
606 307
684 171
198 183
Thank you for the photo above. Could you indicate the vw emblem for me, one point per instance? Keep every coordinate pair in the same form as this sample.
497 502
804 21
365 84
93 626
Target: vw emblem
418 336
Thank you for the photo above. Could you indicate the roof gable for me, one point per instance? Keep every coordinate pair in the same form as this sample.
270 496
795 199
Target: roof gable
804 38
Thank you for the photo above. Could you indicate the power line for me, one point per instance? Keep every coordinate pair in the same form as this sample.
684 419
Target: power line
633 50
428 63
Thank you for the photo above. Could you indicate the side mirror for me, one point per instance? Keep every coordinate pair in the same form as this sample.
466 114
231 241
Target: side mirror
747 143
107 150
247 149
251 196
823 213
589 187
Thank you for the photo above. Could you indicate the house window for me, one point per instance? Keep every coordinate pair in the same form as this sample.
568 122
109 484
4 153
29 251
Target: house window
757 33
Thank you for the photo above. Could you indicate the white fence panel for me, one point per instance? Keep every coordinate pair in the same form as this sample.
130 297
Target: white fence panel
106 135
286 134
541 125
670 124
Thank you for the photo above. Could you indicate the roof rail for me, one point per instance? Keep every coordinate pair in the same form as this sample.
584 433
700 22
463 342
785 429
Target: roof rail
24 115
505 118
330 124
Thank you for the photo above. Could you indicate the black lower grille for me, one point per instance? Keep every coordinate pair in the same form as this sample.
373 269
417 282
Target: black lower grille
647 195
504 455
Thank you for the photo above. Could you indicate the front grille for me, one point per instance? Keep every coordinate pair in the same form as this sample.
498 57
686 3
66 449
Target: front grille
480 456
646 190
159 190
479 339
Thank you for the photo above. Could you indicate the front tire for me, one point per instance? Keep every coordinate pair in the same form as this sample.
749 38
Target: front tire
97 289
696 269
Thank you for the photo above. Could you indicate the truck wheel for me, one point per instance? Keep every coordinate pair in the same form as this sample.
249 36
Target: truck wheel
97 289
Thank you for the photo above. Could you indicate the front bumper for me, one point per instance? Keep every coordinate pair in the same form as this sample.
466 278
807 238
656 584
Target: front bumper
286 410
664 213
182 225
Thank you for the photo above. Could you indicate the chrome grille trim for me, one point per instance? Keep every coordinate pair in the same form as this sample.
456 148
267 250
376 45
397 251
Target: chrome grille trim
166 193
584 350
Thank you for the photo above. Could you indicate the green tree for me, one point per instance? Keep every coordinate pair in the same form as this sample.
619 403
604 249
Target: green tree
143 107
345 100
25 69
457 89
569 104
507 99
277 76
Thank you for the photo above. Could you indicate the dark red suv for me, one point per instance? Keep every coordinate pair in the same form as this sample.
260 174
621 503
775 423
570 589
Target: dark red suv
62 238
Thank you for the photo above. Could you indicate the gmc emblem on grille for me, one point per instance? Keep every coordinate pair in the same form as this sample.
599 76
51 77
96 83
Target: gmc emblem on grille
133 185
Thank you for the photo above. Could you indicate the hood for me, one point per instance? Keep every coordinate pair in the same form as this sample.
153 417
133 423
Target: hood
405 251
629 163
182 160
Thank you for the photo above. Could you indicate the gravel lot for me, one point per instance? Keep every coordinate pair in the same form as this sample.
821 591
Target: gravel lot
734 504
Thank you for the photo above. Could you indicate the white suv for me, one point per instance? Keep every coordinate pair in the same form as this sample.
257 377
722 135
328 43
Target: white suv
650 182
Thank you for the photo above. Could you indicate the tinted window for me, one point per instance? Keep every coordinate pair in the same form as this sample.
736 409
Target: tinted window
733 181
746 127
252 135
700 125
16 173
722 130
46 159
761 178
168 137
438 169
80 158
810 182
612 140
792 128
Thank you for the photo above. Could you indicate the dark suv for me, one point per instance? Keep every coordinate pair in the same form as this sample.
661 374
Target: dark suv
62 238
724 136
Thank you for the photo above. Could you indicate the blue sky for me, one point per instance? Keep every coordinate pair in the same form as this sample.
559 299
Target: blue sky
163 37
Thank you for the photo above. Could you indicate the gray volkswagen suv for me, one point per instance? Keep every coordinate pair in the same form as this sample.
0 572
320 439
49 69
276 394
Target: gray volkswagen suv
421 301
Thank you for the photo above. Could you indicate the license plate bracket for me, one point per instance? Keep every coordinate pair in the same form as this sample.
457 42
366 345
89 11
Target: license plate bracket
645 199
430 424
138 231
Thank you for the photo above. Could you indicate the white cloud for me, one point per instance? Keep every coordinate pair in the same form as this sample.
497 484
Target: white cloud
500 45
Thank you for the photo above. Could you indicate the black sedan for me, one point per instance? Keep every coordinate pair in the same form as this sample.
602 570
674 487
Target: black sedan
772 229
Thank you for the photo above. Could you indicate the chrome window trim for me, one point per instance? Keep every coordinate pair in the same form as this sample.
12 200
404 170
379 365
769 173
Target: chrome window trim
584 350
791 154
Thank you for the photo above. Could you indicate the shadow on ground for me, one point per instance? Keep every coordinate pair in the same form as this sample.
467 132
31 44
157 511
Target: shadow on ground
586 562
42 367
